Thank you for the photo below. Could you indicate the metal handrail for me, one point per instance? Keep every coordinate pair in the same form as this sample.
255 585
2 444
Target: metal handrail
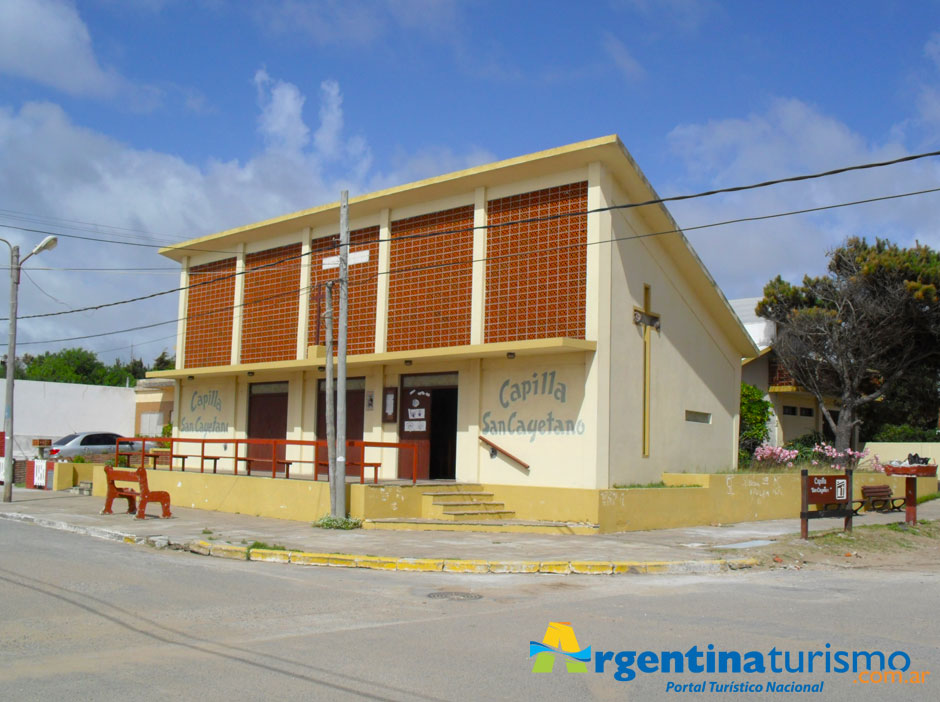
494 449
158 449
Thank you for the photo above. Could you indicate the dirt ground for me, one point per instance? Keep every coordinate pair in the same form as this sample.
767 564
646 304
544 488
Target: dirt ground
894 546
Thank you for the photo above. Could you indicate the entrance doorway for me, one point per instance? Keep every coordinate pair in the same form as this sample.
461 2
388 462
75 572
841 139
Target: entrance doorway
428 418
355 415
267 419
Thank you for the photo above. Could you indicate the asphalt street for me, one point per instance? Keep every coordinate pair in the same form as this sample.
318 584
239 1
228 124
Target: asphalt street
83 618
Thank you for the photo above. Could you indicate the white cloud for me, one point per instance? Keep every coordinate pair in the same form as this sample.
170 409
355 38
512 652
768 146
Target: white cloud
46 41
791 138
53 167
932 49
618 53
686 15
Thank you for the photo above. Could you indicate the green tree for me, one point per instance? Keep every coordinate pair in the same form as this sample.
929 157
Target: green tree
79 366
164 362
856 332
755 413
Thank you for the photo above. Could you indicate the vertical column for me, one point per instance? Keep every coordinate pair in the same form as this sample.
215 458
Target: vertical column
597 326
381 289
478 289
303 300
238 301
182 312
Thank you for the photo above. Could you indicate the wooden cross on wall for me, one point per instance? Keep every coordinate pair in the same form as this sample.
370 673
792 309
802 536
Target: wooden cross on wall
648 320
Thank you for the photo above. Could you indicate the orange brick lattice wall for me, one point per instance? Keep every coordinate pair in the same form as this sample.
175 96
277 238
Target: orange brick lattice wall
362 290
430 283
269 316
209 315
536 272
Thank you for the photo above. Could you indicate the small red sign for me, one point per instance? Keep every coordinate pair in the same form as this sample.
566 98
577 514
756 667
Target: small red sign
42 442
828 489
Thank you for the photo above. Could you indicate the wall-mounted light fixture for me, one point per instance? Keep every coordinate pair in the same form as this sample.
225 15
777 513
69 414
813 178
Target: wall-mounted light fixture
321 368
510 355
190 377
251 373
408 362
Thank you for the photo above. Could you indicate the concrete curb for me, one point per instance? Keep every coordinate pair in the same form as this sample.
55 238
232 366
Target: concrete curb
470 566
420 565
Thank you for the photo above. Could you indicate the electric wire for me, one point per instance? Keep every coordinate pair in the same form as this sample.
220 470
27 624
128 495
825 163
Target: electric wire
470 262
529 220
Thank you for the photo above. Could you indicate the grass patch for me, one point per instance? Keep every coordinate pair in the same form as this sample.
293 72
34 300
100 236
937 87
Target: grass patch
660 484
207 531
882 545
329 522
268 547
928 497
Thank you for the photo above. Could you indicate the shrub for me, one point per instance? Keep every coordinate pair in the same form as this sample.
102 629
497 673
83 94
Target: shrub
330 522
805 445
904 433
755 413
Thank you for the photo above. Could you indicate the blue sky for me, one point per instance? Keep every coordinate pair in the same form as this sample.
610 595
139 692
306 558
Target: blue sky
157 120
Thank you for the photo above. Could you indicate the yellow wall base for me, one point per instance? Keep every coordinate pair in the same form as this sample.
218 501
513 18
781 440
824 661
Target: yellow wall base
716 499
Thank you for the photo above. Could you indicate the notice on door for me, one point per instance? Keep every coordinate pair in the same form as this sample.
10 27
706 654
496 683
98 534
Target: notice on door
416 426
416 413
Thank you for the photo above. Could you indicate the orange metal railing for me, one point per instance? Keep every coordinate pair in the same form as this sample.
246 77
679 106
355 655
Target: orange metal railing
173 453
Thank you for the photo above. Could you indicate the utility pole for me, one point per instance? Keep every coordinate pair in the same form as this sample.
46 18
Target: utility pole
15 265
339 508
329 396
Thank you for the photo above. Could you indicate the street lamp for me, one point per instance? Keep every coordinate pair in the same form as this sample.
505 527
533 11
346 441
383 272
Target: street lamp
15 264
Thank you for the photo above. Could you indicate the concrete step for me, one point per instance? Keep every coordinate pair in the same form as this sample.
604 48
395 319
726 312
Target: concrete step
476 514
506 526
449 488
83 488
441 497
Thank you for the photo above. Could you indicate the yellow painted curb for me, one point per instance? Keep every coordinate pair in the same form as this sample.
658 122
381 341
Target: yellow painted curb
420 564
302 558
203 548
591 567
237 553
376 562
628 567
660 566
269 555
130 540
514 566
342 560
557 567
465 566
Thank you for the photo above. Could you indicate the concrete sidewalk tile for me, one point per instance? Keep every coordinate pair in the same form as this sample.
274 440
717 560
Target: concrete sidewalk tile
303 558
376 562
514 566
556 567
203 548
421 564
269 555
342 560
591 567
465 566
235 553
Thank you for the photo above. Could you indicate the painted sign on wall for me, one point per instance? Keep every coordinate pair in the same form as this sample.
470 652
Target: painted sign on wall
205 411
533 405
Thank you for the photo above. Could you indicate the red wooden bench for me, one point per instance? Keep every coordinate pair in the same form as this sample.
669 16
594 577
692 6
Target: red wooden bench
145 494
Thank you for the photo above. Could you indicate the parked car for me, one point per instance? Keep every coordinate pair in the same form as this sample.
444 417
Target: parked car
88 443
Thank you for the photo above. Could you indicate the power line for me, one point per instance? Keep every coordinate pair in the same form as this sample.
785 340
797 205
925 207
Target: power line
530 220
470 262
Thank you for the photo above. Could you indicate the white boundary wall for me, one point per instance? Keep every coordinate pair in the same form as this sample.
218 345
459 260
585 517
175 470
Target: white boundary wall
53 410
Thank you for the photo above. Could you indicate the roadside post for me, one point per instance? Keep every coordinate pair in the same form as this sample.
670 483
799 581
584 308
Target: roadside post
833 494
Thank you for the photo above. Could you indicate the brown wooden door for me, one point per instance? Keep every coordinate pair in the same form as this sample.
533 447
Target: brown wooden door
267 419
427 417
355 416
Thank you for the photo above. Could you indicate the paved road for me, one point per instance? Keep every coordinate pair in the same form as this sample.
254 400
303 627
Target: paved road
86 619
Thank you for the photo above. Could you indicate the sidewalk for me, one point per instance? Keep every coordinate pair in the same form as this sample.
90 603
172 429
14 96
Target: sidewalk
685 550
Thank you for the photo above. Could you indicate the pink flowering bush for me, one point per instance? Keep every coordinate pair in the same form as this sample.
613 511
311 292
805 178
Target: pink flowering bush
774 456
839 460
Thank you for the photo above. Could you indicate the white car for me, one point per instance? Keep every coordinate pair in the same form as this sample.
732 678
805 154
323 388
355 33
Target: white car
88 443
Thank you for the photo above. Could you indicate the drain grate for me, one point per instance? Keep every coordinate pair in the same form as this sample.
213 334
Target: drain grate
454 596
